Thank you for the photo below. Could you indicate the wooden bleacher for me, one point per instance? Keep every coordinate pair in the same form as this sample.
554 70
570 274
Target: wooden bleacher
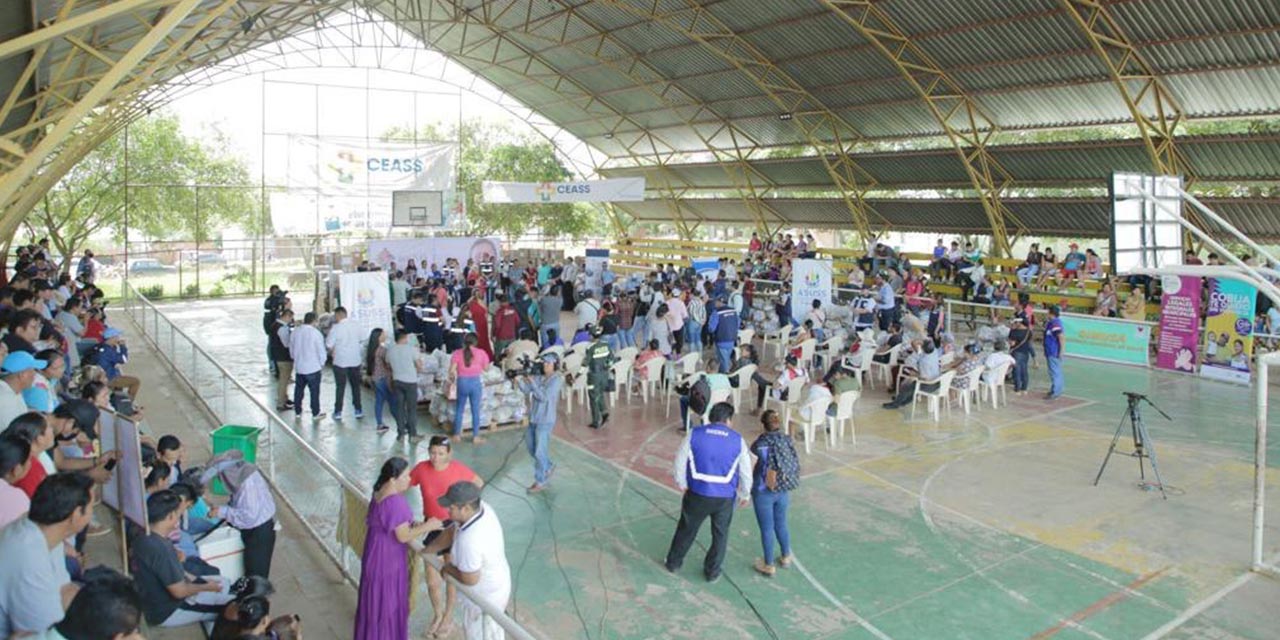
646 254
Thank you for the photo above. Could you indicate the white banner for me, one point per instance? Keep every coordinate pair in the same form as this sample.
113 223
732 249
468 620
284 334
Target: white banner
367 298
428 251
615 190
595 261
353 167
810 280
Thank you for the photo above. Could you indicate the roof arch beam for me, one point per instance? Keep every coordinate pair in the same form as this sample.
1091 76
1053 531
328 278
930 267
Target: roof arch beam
959 115
826 132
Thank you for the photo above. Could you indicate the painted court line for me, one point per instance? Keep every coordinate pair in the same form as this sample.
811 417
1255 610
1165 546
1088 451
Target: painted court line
1200 607
952 583
862 622
1101 605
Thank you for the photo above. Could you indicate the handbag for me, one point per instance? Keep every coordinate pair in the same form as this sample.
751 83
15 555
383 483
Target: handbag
451 390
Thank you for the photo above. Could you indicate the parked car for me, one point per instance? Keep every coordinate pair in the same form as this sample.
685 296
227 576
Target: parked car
204 258
150 266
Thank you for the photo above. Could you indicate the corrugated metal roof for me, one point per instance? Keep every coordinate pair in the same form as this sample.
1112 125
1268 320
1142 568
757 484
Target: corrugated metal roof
1090 218
1215 158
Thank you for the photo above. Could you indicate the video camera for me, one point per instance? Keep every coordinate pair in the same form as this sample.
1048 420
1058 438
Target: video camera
527 367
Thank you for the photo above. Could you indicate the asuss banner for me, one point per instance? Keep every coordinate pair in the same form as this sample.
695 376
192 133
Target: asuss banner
616 190
810 280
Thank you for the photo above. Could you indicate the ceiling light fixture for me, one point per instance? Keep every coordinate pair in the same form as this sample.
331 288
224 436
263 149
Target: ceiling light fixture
784 116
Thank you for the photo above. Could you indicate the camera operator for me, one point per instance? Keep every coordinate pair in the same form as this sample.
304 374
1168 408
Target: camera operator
543 388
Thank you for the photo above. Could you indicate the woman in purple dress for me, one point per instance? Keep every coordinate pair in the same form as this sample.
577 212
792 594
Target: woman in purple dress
383 609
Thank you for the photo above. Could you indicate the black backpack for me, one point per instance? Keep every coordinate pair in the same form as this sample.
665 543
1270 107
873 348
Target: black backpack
699 396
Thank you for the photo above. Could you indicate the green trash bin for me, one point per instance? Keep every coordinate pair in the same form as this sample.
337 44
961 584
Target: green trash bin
232 436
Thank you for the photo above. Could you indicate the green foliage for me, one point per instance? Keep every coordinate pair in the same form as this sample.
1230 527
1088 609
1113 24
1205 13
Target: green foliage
153 292
495 152
191 291
91 197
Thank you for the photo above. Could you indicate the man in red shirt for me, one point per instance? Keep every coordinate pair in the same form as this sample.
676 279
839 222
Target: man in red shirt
506 322
433 477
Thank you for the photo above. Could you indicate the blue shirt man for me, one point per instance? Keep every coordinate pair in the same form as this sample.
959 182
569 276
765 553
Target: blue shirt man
712 467
113 353
1054 346
723 325
544 392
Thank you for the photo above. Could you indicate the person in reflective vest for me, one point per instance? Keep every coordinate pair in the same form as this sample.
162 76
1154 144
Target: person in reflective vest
723 325
432 327
599 358
713 468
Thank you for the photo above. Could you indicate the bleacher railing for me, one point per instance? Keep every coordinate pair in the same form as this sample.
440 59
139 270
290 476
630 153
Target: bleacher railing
289 462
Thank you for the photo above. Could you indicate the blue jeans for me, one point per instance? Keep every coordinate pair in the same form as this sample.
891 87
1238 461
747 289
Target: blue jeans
470 388
1021 370
546 340
627 337
538 439
381 397
1028 272
693 336
771 515
1055 375
725 352
641 329
310 383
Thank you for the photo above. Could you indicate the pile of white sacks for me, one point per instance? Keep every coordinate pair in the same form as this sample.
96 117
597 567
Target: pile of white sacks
501 401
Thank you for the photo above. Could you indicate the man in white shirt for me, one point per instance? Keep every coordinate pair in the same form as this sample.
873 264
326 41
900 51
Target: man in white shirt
996 359
306 345
17 374
35 588
587 311
677 313
344 344
478 560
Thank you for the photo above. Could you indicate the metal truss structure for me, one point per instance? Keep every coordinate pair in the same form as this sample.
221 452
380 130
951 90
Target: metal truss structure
757 92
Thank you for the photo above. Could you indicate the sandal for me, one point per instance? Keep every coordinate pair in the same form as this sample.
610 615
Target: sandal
764 569
784 561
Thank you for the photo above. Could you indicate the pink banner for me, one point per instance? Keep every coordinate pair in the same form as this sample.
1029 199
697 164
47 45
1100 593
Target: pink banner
1178 348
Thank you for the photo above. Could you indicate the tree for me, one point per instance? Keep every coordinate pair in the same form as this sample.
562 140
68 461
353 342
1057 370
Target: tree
92 198
495 152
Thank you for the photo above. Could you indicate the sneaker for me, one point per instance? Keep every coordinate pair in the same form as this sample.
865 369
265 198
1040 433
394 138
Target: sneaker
337 416
784 561
297 415
382 428
671 568
317 417
764 569
713 578
359 414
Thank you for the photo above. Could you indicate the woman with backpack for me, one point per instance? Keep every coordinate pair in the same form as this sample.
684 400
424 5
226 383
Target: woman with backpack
776 474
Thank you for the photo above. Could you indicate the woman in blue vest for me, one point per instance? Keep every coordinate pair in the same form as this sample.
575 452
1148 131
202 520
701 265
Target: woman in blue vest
777 472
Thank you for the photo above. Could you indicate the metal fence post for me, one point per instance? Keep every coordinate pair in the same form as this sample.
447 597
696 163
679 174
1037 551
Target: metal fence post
225 415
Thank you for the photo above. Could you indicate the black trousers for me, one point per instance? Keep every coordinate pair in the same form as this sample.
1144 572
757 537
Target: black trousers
693 510
567 297
908 391
347 376
259 546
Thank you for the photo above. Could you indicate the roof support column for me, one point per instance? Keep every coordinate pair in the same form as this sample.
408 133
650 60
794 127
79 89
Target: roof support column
964 122
1155 111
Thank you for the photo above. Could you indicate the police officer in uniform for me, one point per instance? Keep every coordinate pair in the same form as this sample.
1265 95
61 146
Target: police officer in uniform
599 358
712 467
432 327
410 313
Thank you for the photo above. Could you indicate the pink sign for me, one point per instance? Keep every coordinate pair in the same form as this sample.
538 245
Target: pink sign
1178 348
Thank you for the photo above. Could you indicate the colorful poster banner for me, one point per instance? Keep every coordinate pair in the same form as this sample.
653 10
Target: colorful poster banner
594 264
810 280
1228 343
614 190
1106 339
367 299
428 251
1178 347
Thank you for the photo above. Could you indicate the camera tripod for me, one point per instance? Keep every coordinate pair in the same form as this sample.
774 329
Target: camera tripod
1143 447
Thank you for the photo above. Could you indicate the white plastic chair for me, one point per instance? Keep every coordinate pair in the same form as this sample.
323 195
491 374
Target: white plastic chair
995 383
652 377
844 413
934 398
775 342
832 347
969 394
745 336
622 377
572 362
794 389
807 349
817 411
627 352
581 348
886 369
578 390
743 374
861 364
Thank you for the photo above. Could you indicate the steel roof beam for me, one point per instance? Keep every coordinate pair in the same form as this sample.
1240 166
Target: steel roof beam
825 131
64 26
963 120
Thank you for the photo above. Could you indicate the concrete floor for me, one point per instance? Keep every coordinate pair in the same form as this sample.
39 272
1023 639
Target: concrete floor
980 526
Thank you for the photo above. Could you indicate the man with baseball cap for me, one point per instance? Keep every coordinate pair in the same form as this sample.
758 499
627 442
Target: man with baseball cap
111 355
544 390
17 371
478 559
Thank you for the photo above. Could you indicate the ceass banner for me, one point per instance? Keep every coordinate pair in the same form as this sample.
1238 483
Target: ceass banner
616 190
